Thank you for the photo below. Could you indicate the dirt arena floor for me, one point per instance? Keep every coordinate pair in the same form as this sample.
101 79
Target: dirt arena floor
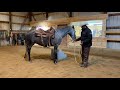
13 65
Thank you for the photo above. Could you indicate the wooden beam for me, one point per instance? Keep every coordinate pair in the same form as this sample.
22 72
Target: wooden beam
113 39
20 23
3 30
114 27
113 32
18 15
4 21
69 20
14 22
114 14
63 25
12 15
40 13
19 31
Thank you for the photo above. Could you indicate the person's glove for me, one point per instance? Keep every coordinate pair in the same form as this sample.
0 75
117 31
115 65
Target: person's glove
73 41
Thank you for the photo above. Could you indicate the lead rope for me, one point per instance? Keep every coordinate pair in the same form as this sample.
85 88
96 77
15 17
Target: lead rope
75 54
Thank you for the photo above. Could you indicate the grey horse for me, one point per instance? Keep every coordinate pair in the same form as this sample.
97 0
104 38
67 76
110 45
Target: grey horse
59 34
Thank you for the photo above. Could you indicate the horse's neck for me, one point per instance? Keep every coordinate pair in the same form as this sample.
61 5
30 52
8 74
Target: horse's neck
62 32
65 33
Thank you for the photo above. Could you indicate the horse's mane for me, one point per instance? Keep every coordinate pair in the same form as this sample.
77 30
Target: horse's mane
65 27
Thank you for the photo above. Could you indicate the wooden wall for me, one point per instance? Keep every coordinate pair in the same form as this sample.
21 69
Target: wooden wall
113 30
12 22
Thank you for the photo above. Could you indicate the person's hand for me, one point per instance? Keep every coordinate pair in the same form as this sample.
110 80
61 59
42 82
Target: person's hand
73 41
81 43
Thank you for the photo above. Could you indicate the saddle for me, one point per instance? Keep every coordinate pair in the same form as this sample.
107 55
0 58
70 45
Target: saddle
45 34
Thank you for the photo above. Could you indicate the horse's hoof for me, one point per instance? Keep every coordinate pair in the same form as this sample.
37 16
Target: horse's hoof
55 62
26 59
30 61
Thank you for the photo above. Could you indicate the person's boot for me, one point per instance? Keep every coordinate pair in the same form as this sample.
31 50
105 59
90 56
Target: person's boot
85 64
82 64
55 61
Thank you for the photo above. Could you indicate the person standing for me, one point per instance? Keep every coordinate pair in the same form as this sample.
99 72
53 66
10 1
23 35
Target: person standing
86 43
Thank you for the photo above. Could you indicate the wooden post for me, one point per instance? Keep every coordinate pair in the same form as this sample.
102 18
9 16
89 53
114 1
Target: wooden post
103 28
25 20
47 16
10 23
70 14
104 41
30 16
33 16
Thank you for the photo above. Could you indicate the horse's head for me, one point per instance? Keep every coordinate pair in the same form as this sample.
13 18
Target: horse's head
71 32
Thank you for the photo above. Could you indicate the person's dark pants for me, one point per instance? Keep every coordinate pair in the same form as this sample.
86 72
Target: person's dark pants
85 55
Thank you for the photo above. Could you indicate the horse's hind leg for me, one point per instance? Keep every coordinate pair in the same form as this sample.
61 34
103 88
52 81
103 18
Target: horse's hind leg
55 54
29 50
27 53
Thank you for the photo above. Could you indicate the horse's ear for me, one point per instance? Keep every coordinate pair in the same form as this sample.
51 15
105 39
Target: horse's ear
51 28
73 27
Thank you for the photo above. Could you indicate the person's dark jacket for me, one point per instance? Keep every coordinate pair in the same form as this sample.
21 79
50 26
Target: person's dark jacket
86 37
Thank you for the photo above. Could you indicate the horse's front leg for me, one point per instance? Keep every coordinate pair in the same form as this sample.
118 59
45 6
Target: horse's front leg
55 54
25 55
29 50
25 51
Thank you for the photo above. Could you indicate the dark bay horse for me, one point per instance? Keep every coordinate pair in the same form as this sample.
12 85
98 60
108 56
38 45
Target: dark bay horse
55 41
